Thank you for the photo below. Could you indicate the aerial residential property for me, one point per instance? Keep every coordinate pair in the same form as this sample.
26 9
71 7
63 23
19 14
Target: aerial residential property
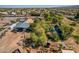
39 30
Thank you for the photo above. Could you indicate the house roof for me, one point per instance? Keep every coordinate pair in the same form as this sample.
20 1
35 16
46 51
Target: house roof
22 24
13 25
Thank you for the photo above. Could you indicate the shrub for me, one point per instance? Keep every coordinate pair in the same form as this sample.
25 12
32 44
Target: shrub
73 24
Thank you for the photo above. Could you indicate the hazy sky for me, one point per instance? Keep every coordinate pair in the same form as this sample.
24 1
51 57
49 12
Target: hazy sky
31 6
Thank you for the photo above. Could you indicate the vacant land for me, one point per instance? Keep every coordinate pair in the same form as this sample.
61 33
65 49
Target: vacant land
9 41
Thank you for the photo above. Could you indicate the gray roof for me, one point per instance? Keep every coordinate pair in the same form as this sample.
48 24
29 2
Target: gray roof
22 24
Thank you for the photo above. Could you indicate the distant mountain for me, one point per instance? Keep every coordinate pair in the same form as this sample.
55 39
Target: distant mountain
39 6
72 6
30 6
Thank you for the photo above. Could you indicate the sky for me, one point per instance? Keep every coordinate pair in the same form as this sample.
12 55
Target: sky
31 6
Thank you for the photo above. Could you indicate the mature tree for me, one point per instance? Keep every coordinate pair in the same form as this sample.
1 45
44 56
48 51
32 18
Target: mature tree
77 16
38 34
66 30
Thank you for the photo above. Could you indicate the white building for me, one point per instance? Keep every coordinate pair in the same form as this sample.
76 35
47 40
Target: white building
13 13
6 13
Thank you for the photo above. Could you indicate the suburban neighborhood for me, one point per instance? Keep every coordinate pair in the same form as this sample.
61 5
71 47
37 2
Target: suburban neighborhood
39 30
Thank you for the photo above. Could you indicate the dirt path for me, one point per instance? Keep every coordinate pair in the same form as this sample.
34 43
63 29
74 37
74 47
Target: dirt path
9 42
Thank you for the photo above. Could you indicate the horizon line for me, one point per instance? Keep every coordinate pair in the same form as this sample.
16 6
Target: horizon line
33 6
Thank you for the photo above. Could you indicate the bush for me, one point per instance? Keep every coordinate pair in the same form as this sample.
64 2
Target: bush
35 14
73 24
55 36
13 21
27 42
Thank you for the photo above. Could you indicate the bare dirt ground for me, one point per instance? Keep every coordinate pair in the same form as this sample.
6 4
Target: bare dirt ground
71 41
8 42
66 21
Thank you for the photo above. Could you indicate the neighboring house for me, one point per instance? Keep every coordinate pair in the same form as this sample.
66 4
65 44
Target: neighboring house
13 13
23 13
5 13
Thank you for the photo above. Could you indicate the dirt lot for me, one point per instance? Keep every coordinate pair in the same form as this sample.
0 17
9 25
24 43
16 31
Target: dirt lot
8 42
71 40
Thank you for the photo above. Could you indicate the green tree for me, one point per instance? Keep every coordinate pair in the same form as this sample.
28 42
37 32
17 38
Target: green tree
77 16
38 34
66 31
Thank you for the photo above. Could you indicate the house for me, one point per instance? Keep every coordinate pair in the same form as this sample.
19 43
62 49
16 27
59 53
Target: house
23 13
13 13
5 13
22 19
20 26
12 26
